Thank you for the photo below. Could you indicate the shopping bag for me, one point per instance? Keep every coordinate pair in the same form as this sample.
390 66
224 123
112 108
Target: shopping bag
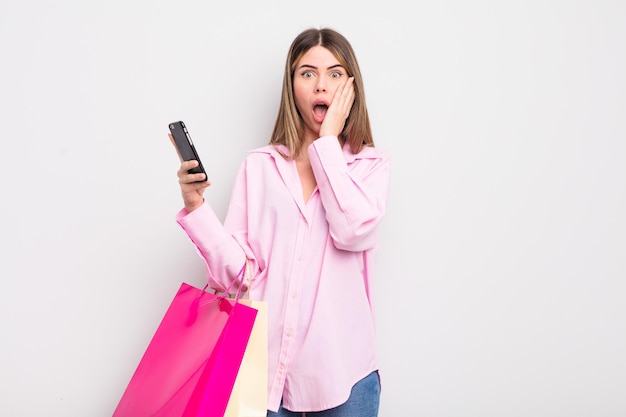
249 395
191 363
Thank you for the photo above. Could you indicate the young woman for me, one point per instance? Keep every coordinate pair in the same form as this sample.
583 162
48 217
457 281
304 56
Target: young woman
305 212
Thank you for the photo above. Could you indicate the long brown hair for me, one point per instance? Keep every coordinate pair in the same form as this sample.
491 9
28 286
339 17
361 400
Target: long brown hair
289 126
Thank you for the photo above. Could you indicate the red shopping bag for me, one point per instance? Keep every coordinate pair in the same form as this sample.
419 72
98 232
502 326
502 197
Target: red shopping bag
190 366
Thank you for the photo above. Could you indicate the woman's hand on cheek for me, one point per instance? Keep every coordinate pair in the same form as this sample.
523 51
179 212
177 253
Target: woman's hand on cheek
339 109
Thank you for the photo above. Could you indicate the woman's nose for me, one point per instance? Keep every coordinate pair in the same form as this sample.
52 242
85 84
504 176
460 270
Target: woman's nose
320 87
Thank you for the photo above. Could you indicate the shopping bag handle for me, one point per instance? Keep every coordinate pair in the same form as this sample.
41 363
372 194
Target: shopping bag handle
248 275
239 278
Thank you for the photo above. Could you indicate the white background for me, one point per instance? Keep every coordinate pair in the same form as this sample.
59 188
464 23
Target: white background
501 278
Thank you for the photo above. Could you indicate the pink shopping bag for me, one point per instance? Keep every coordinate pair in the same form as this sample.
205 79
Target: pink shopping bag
190 365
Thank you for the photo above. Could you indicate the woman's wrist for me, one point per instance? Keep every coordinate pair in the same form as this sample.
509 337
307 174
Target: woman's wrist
191 206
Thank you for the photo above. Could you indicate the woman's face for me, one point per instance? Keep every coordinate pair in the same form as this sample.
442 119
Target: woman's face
316 77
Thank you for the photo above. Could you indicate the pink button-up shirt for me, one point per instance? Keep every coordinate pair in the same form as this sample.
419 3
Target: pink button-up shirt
312 261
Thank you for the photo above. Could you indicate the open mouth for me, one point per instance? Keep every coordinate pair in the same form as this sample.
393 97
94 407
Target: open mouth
319 112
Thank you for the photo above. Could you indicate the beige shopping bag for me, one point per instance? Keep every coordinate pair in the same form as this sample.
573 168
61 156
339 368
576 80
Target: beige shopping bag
249 394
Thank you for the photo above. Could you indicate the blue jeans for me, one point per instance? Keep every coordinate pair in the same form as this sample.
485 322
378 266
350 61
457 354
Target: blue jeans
363 402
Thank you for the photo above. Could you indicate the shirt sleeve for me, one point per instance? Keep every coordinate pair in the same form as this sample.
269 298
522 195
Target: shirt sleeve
223 256
354 193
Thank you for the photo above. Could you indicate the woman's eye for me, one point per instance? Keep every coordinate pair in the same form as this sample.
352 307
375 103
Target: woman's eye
307 74
335 74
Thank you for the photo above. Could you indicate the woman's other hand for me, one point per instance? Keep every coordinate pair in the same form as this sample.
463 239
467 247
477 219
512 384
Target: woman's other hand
192 186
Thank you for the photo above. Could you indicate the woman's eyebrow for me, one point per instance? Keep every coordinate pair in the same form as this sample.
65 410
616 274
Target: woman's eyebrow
314 67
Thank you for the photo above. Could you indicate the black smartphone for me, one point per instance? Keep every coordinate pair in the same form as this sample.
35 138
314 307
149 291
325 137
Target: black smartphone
185 147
